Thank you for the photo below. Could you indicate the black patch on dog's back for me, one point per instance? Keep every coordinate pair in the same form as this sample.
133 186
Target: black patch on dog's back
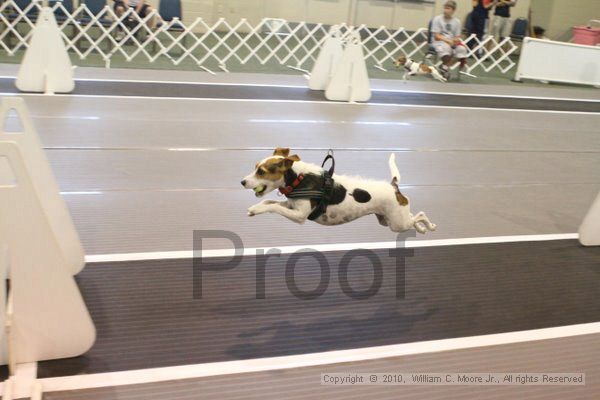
338 194
361 196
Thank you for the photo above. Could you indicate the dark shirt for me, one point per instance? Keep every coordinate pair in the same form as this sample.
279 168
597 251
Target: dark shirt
502 11
480 10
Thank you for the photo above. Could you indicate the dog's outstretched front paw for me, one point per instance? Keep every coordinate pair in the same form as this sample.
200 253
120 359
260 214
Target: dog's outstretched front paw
257 209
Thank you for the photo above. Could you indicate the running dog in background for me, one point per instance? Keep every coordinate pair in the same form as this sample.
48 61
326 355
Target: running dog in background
414 68
329 199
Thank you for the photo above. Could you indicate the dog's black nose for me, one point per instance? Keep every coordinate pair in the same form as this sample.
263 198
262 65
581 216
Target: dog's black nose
243 182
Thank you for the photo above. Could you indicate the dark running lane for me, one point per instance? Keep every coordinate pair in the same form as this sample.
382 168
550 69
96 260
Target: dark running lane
146 315
241 92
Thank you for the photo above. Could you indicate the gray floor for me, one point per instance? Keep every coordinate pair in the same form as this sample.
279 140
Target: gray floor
177 90
467 85
476 173
149 314
576 354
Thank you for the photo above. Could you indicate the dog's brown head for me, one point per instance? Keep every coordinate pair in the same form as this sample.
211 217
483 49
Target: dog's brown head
400 61
269 173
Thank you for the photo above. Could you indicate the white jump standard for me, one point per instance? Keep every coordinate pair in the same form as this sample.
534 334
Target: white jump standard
46 66
328 199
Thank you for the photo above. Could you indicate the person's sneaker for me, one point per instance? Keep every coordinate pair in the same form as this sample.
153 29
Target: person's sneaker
120 35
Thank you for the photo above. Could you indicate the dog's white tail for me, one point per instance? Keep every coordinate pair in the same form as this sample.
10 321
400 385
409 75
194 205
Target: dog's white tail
394 168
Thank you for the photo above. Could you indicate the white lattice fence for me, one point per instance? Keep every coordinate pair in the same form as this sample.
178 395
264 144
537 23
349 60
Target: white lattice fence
294 44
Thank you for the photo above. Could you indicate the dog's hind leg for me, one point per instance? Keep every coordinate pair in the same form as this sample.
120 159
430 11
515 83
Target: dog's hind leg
419 227
421 218
400 220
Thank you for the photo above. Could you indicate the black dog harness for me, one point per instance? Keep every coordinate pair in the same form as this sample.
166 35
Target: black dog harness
317 188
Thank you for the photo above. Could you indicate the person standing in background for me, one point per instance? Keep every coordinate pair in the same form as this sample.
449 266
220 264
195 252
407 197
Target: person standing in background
479 15
501 25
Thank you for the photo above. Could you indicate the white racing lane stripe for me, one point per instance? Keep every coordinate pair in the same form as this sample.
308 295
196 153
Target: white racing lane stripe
409 244
305 102
150 375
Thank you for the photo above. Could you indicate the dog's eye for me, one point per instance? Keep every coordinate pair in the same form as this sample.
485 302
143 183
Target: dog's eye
260 172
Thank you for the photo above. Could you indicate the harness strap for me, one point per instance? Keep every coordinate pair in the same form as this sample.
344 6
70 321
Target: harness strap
322 193
329 156
327 189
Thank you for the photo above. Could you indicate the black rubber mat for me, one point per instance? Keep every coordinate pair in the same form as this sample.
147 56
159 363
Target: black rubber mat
186 90
146 314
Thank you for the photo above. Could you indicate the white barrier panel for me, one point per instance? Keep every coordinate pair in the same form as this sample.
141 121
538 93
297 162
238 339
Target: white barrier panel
43 180
350 82
46 66
559 62
49 318
589 231
327 61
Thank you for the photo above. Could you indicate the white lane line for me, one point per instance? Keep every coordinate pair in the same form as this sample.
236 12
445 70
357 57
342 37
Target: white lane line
409 244
132 377
59 117
304 102
510 96
322 121
180 82
345 149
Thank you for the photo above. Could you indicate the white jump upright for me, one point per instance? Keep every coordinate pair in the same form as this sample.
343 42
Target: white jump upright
46 67
327 61
43 314
350 81
43 180
46 316
589 231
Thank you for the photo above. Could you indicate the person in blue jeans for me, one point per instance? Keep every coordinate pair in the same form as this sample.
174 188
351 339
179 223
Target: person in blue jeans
479 15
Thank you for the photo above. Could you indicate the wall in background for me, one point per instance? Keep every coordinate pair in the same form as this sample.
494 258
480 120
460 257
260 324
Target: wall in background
410 14
559 16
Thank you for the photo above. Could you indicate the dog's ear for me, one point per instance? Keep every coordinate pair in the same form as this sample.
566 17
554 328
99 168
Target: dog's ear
290 160
281 151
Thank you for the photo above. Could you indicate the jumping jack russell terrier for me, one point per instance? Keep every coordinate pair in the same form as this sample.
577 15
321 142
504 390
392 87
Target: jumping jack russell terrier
329 199
414 68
